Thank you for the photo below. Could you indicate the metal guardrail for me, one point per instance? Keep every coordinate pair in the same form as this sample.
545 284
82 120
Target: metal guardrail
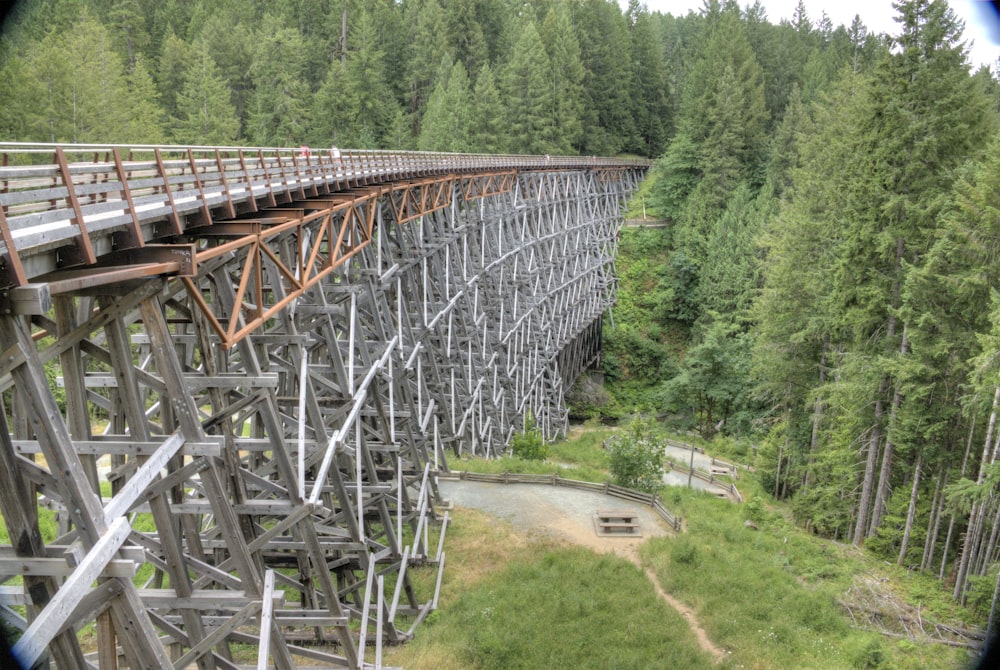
607 488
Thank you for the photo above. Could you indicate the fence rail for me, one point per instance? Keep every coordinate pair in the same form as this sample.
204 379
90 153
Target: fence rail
607 488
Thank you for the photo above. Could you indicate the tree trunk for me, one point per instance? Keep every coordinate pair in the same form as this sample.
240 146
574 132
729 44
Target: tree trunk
817 417
343 37
971 534
911 513
951 522
934 523
885 474
864 506
781 451
991 545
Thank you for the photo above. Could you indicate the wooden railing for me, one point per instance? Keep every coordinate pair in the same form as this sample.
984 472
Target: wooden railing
66 205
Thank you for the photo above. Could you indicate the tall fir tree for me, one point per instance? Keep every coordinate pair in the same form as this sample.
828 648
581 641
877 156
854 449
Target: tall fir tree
567 79
650 94
447 122
528 95
205 114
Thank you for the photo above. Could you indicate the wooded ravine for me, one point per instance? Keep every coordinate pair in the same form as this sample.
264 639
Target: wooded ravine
823 301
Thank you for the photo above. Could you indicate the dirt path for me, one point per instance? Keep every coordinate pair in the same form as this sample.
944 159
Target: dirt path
568 514
703 640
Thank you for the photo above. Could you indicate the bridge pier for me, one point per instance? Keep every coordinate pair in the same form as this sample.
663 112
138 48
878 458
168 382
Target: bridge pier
238 426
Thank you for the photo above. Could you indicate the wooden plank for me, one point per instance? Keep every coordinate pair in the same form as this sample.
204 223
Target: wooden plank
266 619
144 476
59 567
101 447
193 382
204 599
34 298
57 614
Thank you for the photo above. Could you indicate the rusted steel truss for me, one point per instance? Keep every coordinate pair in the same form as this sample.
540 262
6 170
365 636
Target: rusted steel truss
221 430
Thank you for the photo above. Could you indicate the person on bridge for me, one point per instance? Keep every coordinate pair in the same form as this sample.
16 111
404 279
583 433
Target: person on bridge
335 155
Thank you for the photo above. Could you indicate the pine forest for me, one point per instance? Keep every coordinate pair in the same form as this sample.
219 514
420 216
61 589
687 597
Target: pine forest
823 301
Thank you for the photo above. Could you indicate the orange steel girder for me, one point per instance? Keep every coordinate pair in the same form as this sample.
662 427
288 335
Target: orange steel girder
327 238
330 245
483 185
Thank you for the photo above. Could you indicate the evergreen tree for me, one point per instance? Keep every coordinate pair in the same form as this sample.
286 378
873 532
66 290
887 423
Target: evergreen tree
73 88
464 34
426 50
176 57
603 35
146 118
796 326
650 89
279 111
487 132
528 95
238 55
376 107
334 109
567 80
205 114
447 122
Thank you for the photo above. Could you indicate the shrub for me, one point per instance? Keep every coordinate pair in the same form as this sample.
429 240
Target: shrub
528 444
636 457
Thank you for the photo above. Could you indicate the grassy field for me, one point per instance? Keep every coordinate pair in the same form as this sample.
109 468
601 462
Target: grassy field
770 597
510 601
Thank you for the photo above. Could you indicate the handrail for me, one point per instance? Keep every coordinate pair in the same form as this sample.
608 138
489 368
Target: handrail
91 199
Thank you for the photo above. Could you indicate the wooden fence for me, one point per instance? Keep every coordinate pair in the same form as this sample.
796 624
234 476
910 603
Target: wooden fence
606 488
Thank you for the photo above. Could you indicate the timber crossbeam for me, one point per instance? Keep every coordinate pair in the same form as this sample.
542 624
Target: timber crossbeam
230 377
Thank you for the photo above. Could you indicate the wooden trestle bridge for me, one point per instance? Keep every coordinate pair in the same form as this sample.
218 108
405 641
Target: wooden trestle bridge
229 377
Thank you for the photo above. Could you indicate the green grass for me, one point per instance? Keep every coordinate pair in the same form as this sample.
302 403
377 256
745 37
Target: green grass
770 596
511 601
633 209
569 608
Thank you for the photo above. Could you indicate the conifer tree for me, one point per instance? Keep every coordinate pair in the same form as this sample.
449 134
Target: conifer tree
487 130
528 95
205 114
447 122
652 111
566 79
376 107
603 36
176 57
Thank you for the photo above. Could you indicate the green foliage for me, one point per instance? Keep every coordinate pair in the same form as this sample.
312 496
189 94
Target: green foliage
677 175
528 95
205 114
528 445
770 595
448 120
753 509
867 654
512 619
635 456
712 381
